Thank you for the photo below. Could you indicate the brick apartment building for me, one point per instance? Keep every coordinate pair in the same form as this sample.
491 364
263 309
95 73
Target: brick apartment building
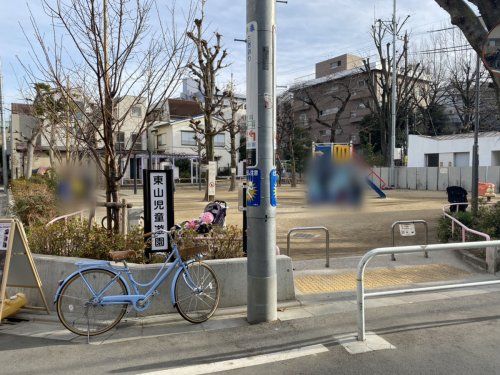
334 79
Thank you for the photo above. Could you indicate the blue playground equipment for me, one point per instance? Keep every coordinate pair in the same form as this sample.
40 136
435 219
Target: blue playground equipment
377 190
339 153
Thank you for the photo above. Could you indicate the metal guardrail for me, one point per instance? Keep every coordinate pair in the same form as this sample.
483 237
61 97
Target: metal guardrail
310 229
393 257
361 295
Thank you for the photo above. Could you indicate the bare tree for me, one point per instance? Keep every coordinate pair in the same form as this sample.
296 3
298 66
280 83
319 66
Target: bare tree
475 29
205 67
47 108
285 134
39 111
234 126
380 84
461 92
116 60
341 95
430 98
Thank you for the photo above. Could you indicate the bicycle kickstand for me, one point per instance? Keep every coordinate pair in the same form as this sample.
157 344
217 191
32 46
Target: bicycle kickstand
88 325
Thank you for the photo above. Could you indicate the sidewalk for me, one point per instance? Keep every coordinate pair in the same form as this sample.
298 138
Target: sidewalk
319 292
449 333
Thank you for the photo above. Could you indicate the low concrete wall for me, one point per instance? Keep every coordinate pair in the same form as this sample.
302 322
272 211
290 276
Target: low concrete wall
232 275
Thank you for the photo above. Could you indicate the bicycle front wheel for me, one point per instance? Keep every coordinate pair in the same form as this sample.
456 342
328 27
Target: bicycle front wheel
77 308
197 293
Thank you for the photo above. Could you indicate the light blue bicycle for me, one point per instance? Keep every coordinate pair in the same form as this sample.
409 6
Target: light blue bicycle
93 299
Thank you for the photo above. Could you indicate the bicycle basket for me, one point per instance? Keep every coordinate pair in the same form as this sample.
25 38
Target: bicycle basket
190 252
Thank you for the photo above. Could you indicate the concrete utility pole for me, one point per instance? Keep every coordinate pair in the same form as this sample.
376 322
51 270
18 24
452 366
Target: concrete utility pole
5 174
261 118
394 85
475 147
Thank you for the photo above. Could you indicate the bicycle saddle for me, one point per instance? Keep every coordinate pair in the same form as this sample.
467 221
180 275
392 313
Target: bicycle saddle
117 256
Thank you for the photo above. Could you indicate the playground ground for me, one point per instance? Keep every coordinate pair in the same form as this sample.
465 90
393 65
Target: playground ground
352 231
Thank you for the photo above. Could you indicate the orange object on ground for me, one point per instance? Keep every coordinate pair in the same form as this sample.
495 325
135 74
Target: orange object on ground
486 189
13 305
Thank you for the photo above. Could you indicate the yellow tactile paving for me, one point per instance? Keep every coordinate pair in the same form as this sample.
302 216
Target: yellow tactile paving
377 278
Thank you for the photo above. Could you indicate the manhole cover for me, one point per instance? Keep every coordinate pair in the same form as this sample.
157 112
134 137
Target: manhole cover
305 235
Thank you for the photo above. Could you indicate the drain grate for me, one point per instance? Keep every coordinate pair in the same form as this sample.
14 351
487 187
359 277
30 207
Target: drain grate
305 235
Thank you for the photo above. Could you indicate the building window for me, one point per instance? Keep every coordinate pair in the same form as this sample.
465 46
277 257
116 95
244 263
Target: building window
336 64
333 89
160 140
431 160
136 111
328 111
304 121
136 140
188 138
362 83
120 140
220 140
495 158
325 132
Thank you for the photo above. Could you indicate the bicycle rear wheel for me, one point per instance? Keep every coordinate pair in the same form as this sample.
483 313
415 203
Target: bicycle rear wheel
197 303
80 313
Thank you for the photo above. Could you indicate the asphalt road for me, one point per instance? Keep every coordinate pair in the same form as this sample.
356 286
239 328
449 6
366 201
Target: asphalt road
452 336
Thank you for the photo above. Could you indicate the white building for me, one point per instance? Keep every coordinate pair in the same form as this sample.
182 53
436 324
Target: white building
453 150
178 138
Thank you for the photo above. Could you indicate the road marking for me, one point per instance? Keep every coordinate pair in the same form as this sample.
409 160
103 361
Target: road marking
232 364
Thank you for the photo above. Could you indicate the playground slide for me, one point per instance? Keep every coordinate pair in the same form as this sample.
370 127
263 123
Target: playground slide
379 191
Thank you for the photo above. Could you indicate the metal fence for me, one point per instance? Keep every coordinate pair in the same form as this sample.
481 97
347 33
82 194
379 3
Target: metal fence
437 178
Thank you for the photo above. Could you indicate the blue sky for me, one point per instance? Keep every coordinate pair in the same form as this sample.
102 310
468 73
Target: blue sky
308 31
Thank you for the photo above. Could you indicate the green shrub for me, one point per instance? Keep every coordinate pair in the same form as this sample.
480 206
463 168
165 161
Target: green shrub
487 221
444 229
77 239
34 202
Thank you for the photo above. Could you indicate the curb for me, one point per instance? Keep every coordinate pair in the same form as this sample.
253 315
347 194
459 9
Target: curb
130 319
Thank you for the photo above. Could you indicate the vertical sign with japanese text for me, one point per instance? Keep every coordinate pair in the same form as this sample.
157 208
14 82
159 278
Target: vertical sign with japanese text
158 213
158 207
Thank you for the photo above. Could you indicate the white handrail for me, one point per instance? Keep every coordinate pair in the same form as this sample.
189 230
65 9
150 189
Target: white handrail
66 217
361 295
463 226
